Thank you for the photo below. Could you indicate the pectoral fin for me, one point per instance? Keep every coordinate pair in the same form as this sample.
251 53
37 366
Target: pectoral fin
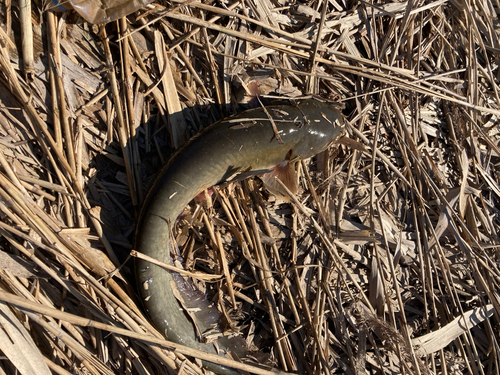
285 171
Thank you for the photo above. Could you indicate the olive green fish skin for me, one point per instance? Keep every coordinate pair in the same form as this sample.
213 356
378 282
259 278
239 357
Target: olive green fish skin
208 159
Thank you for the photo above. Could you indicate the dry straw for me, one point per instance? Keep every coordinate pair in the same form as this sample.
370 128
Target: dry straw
387 261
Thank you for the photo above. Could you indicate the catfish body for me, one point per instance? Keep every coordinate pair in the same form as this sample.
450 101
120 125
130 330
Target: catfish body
242 143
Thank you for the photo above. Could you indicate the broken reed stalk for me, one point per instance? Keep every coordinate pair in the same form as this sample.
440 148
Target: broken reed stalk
26 38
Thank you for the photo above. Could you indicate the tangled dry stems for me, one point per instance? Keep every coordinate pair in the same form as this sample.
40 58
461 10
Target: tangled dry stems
387 262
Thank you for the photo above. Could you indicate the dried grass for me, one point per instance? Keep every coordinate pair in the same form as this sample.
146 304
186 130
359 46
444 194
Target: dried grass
387 262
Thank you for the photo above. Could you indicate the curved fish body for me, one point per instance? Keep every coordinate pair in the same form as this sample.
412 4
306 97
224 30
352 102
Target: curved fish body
241 143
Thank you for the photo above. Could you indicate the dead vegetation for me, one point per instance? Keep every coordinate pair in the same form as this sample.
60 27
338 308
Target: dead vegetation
388 260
